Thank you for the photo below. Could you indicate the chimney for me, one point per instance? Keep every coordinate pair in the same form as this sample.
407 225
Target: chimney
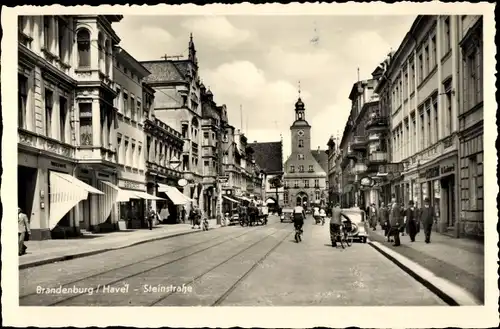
318 149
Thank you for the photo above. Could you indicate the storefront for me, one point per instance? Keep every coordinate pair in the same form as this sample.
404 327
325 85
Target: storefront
438 183
173 205
133 211
38 195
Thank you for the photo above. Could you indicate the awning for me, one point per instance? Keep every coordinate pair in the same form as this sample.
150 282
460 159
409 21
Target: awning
270 201
126 195
228 198
107 200
244 198
65 193
174 194
146 196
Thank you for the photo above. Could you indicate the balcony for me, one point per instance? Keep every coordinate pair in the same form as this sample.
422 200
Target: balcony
377 123
358 143
154 168
97 155
374 137
43 143
377 157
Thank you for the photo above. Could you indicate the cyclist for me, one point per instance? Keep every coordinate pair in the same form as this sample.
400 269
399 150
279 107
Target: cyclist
299 215
336 222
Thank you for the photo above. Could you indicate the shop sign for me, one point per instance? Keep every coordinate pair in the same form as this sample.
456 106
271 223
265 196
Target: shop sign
395 168
57 165
430 173
446 169
130 185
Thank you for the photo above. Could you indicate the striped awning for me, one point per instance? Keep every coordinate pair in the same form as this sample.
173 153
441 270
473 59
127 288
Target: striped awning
229 199
174 194
65 193
107 201
146 196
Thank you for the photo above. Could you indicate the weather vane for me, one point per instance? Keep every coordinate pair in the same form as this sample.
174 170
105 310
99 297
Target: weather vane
299 88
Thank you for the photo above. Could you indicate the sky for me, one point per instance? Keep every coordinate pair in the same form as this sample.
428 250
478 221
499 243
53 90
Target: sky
258 61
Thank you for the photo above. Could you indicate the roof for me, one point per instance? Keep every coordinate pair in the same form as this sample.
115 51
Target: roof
164 71
322 158
269 156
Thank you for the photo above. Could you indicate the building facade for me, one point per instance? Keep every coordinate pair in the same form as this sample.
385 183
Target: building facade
67 121
333 171
470 126
424 79
178 104
305 180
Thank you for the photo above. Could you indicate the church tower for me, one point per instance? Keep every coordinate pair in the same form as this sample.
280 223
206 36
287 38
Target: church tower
300 129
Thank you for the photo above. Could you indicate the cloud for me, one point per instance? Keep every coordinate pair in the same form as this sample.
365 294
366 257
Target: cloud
217 31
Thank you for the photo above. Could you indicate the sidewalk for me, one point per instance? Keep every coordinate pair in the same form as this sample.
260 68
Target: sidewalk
50 251
460 261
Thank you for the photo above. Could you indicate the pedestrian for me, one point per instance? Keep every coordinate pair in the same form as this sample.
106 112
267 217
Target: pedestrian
24 231
427 218
322 215
411 221
417 210
151 217
183 214
395 221
372 211
384 220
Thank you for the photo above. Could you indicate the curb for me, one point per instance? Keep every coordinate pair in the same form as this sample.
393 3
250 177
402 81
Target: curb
450 293
100 251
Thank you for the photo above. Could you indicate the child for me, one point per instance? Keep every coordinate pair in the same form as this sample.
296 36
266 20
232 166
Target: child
205 224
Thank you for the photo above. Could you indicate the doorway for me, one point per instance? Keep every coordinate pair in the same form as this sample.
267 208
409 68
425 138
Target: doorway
448 189
85 209
26 185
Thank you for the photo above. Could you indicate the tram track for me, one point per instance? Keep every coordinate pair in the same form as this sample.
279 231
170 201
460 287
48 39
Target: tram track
241 278
145 260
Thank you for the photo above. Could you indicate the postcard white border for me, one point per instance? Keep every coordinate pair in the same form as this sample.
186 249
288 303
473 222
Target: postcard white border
415 317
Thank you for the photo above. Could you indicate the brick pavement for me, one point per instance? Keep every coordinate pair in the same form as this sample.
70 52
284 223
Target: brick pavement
49 251
460 261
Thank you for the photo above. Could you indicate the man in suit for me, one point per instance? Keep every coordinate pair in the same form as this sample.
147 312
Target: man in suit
427 218
23 226
411 221
395 221
384 218
372 211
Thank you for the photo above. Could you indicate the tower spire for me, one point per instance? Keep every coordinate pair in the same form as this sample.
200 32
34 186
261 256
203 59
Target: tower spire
299 89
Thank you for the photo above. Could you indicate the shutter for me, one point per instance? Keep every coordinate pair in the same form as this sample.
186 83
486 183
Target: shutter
465 85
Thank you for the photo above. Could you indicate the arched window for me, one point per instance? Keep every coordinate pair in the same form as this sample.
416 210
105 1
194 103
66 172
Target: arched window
109 53
83 40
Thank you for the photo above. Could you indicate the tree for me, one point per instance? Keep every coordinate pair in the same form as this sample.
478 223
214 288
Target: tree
276 182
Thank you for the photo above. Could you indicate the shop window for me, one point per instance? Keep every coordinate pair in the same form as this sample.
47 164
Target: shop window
473 186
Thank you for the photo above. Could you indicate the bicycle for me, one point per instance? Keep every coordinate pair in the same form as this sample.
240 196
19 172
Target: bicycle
343 237
298 233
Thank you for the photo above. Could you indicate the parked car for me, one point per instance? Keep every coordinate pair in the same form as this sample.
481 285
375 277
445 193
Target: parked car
359 224
286 215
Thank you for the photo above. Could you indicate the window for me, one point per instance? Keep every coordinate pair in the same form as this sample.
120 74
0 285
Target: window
296 184
473 186
139 158
46 32
301 143
311 168
206 164
412 81
127 154
138 113
436 123
422 129
21 23
85 124
118 148
48 112
184 130
473 78
316 183
306 183
406 139
449 117
292 169
405 90
427 59
118 99
301 168
285 198
132 107
63 29
63 114
83 41
434 52
317 195
300 156
447 36
420 68
133 157
428 112
414 137
125 104
22 91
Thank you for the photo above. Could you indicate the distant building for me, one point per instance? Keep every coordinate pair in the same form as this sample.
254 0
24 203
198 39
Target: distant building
178 104
269 157
305 177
